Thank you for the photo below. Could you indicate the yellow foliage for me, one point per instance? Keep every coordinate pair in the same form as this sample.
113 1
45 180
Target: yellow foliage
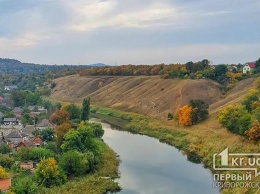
3 173
183 70
184 115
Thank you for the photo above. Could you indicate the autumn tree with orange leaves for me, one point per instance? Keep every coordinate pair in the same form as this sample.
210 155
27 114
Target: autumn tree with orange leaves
185 115
59 117
254 132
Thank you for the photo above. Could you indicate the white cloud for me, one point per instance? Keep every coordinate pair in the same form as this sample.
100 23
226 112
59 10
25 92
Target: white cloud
25 40
104 14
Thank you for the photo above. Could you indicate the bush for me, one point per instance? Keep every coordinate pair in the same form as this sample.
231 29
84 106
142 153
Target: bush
48 173
73 164
6 161
4 149
254 132
3 173
24 185
235 118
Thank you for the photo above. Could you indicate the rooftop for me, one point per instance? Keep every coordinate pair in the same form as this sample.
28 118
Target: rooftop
16 134
44 123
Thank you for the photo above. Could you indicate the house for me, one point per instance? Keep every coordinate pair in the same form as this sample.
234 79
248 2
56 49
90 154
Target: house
17 112
10 121
37 109
16 136
37 142
27 165
28 130
232 68
44 124
23 143
11 87
249 67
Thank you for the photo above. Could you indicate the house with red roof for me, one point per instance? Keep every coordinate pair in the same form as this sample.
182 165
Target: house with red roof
249 67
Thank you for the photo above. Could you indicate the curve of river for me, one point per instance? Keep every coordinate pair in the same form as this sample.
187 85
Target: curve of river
151 167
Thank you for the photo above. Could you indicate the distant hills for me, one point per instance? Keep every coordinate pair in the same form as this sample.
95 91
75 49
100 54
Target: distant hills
13 66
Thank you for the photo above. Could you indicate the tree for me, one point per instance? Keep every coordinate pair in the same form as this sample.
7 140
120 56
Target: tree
85 109
220 70
26 119
47 134
184 115
6 161
205 63
250 98
97 129
235 118
189 67
3 173
254 132
39 153
48 174
18 98
4 149
257 66
73 110
199 110
170 116
24 185
73 164
59 117
82 139
60 131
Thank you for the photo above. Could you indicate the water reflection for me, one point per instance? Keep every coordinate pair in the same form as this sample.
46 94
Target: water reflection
151 167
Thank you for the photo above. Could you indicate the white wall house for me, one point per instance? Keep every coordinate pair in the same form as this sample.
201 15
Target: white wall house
249 67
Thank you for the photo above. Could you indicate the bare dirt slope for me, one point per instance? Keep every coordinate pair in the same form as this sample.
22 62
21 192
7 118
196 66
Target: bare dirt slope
146 95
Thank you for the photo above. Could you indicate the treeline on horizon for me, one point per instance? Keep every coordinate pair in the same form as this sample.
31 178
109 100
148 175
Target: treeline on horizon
200 69
14 67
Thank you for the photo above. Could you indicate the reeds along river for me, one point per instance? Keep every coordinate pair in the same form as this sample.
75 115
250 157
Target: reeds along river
151 167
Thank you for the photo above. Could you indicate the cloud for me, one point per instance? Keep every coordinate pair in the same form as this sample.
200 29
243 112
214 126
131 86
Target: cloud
106 14
131 31
25 40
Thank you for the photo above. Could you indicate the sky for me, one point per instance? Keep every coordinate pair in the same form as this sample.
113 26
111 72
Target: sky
130 31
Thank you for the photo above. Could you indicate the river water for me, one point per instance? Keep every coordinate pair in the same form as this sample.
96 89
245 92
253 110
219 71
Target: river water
151 167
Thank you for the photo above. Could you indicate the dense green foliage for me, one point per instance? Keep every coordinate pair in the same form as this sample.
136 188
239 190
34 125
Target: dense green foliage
48 174
24 185
235 118
34 154
199 110
85 110
4 149
74 163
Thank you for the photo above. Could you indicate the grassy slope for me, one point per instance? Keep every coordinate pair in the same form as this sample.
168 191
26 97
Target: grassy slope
94 183
147 95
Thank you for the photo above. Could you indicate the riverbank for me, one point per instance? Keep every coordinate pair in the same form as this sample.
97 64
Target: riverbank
99 182
199 142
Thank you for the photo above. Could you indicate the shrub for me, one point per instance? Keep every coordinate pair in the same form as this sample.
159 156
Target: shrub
235 118
3 173
254 132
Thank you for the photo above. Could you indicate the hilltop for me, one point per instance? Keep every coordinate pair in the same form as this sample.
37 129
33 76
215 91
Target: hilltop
13 67
149 95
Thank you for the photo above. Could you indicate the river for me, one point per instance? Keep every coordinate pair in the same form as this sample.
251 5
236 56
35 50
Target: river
151 167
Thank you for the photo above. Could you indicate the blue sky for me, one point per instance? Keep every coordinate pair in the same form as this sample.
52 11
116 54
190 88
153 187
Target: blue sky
130 31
